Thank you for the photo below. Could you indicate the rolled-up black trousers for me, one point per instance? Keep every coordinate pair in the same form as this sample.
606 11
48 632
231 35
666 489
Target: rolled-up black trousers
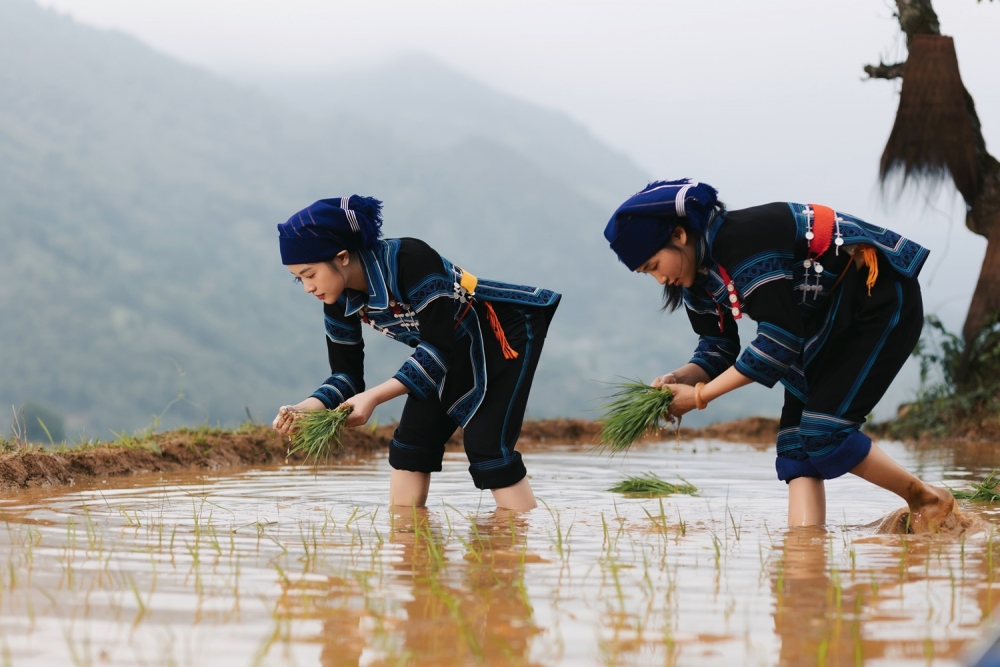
491 434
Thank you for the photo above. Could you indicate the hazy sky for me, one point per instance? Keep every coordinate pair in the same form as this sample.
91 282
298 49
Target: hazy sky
763 99
627 69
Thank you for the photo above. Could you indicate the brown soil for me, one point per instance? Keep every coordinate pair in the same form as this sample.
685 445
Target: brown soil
214 450
564 431
755 430
164 452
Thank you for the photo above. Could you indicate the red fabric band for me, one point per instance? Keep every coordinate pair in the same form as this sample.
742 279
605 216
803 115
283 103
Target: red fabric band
823 217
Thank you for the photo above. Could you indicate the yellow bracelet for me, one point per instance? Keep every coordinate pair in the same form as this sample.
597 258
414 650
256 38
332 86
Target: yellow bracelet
698 403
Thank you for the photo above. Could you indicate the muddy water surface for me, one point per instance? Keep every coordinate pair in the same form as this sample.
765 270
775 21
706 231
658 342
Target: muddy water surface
304 566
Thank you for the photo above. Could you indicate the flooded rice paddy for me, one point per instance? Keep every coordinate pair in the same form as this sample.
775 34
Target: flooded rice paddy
304 566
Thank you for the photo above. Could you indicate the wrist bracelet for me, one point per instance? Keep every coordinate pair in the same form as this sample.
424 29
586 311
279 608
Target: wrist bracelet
698 402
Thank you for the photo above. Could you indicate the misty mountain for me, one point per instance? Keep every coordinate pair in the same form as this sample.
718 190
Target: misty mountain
427 104
139 268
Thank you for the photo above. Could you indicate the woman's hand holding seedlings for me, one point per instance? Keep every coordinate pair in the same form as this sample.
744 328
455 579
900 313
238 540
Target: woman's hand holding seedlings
701 392
689 374
364 404
683 399
669 378
284 423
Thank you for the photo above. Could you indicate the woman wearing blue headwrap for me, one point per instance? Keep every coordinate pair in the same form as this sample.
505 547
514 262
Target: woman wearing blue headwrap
476 345
838 311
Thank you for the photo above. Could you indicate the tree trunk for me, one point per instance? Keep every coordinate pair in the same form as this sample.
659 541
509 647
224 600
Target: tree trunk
917 17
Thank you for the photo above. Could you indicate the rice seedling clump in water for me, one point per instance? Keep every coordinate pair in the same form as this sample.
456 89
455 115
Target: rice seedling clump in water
650 485
634 409
986 491
320 433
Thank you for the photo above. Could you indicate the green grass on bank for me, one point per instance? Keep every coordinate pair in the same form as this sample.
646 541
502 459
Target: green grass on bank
146 438
960 386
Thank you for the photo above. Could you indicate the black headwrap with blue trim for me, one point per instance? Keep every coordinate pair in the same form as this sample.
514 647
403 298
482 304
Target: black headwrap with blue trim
320 231
643 224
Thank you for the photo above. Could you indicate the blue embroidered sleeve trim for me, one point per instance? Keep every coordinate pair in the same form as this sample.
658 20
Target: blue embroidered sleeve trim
715 354
424 372
761 261
432 287
761 269
492 290
768 358
338 388
783 338
705 366
755 369
343 332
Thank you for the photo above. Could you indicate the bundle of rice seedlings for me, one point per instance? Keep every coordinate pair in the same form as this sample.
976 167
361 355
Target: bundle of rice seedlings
651 486
320 433
633 410
986 491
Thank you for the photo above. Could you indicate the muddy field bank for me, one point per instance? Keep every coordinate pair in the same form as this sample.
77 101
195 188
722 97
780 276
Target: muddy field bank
213 450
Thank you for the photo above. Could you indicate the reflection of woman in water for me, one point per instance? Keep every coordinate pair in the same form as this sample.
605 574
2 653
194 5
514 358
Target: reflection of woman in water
838 311
476 345
826 615
816 623
463 610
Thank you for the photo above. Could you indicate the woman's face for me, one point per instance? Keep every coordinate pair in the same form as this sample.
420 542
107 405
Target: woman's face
673 264
321 280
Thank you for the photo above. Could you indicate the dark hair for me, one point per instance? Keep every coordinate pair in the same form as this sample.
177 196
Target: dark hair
673 295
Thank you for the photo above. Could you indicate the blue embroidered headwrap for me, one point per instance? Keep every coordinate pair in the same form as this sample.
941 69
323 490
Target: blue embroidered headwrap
320 231
644 223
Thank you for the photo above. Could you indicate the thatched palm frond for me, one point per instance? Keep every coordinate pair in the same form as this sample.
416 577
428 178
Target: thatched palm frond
933 135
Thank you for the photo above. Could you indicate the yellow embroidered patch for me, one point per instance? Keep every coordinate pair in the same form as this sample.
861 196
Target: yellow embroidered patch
468 282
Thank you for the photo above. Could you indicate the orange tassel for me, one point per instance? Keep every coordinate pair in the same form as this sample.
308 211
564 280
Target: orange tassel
508 351
870 257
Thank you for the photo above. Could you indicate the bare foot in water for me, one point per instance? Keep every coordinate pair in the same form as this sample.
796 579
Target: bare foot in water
933 512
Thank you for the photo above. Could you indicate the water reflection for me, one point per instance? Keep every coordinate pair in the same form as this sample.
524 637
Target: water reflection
817 620
305 566
457 596
831 612
475 610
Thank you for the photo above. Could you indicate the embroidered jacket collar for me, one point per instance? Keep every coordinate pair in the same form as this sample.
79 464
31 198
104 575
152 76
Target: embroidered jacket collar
707 276
377 297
